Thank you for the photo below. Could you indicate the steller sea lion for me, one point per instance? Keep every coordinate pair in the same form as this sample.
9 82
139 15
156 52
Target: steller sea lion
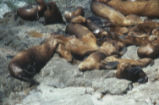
41 7
133 73
138 7
28 12
113 15
29 62
52 14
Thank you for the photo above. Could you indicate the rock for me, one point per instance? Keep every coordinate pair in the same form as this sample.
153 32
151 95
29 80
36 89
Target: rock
61 83
59 73
131 53
112 86
56 96
3 9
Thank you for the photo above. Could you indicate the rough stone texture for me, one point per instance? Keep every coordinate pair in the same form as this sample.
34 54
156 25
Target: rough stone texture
61 83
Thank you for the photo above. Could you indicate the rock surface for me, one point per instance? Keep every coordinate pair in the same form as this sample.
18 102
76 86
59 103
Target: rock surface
61 83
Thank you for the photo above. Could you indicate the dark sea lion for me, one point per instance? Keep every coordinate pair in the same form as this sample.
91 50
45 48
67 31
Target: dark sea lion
28 12
52 14
133 73
41 7
29 62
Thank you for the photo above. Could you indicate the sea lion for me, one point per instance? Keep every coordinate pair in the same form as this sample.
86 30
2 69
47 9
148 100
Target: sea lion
29 62
52 14
41 7
28 13
69 15
133 73
140 62
113 15
83 33
138 7
93 61
148 50
99 32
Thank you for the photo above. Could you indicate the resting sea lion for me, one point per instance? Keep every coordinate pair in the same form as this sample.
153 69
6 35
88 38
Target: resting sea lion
28 12
138 7
113 15
83 33
149 50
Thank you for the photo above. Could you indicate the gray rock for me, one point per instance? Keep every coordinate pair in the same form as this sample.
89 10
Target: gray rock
52 96
59 73
112 86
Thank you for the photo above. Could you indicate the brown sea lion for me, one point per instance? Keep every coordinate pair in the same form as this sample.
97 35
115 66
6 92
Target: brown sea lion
140 62
149 50
113 15
29 62
52 14
139 7
126 68
28 12
146 27
93 61
78 12
83 33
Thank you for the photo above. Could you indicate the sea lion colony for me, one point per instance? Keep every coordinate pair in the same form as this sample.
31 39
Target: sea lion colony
95 47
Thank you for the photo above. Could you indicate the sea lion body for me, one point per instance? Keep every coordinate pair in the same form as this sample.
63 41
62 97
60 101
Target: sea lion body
52 14
28 13
29 62
113 15
139 7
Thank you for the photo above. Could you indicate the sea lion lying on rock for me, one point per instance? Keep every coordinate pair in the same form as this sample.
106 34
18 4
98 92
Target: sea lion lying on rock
49 10
137 7
126 68
113 15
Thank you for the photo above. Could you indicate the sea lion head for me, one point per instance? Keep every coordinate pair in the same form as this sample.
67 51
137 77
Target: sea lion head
133 73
